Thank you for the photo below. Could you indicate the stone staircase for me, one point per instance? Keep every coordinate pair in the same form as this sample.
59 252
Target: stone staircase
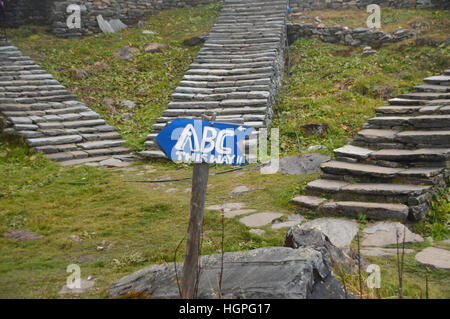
394 164
52 120
237 73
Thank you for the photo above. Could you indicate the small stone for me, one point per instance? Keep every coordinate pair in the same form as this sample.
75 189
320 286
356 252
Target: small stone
153 47
148 32
107 101
112 162
240 190
260 219
126 53
79 74
127 104
172 190
258 232
126 116
141 24
100 248
314 148
317 129
76 238
436 257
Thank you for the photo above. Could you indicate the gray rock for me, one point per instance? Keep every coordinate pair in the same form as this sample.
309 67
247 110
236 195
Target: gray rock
385 233
79 74
126 53
318 129
436 257
302 164
309 201
340 231
84 286
76 238
298 237
154 47
271 272
127 104
107 101
260 219
240 190
141 24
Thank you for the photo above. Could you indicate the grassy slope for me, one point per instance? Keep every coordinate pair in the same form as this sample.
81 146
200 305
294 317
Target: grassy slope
143 222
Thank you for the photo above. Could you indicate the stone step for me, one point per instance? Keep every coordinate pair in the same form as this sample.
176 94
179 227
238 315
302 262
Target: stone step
424 96
422 121
84 160
432 88
153 154
101 144
438 80
412 195
219 111
423 155
55 140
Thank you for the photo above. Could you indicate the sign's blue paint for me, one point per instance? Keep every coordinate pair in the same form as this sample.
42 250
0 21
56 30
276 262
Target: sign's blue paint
196 141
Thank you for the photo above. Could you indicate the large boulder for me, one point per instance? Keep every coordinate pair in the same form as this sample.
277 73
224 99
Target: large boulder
333 256
270 272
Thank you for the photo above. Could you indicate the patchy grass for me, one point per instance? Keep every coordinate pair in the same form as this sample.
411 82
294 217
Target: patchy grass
143 222
434 24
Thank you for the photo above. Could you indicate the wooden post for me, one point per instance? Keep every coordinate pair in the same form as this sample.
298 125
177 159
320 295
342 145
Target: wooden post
191 261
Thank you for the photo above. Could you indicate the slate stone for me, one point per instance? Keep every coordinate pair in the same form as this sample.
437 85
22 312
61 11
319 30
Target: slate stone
240 190
153 47
226 207
126 53
340 231
436 257
302 164
234 213
271 272
258 232
85 285
308 201
22 235
385 233
286 224
260 219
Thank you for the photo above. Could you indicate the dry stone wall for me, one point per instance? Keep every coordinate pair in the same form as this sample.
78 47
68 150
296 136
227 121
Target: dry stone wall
359 4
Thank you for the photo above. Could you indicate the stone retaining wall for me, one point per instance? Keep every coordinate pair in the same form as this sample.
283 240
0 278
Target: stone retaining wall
359 4
353 37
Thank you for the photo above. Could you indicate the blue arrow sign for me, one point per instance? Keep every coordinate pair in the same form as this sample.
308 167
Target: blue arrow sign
197 141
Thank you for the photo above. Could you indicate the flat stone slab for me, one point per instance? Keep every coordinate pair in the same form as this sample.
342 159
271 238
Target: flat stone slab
340 231
385 233
84 286
226 207
22 235
353 152
260 219
112 162
383 252
303 164
238 212
240 190
270 272
286 224
436 257
308 201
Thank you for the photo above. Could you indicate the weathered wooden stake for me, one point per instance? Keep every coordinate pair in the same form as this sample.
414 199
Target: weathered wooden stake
190 267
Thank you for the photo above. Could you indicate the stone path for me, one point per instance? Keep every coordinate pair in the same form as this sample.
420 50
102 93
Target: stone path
50 118
237 73
395 163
